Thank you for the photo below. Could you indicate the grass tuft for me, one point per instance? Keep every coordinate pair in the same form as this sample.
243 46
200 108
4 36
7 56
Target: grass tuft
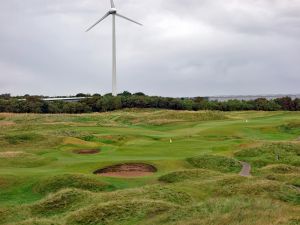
56 183
178 176
38 222
60 202
118 211
274 153
21 138
214 162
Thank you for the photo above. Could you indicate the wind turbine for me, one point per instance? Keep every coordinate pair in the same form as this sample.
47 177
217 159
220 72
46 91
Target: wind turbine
113 11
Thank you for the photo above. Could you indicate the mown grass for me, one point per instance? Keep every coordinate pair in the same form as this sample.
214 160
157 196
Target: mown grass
197 154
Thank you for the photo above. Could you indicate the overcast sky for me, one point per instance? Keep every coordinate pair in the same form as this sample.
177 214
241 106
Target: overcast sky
185 48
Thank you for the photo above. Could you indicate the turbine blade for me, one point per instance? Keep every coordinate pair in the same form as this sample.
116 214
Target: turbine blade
106 15
112 3
126 18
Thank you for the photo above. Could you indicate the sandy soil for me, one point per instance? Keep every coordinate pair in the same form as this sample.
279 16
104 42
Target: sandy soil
127 170
126 174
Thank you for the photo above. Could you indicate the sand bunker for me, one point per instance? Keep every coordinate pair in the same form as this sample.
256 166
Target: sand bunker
127 170
87 151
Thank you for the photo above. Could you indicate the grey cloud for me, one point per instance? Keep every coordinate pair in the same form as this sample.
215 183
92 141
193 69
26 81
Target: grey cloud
186 48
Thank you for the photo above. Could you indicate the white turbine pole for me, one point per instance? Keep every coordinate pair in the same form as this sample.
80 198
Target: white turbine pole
114 57
113 12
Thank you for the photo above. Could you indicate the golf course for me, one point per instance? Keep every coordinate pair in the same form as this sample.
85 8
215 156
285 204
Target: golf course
150 167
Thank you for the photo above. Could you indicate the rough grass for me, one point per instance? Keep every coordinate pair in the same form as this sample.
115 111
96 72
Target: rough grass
214 162
201 190
56 183
178 176
21 138
291 127
151 192
281 169
116 212
234 211
62 201
161 117
284 173
274 153
259 187
38 222
24 160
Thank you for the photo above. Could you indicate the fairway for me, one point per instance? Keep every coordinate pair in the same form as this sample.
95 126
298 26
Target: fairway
163 167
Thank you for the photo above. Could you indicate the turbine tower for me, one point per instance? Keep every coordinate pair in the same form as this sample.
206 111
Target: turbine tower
114 13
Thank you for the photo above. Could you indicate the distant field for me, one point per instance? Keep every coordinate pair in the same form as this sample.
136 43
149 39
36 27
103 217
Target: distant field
51 168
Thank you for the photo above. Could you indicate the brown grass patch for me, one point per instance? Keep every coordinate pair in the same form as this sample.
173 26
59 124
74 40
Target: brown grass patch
86 151
11 154
7 123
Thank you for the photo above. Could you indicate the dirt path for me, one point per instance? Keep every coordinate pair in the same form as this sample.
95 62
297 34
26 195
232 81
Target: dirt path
245 172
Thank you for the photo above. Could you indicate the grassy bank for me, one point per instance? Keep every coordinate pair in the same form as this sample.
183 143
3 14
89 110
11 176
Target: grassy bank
43 179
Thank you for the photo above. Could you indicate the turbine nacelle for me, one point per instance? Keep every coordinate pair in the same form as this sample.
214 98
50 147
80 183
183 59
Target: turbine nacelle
112 11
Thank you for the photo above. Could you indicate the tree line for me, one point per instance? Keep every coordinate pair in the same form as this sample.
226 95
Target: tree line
98 103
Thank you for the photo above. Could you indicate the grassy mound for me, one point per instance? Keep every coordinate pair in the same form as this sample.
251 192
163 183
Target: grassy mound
23 138
274 153
265 188
118 211
234 211
214 162
60 202
182 175
152 192
55 183
281 169
161 117
284 173
21 159
7 181
291 128
38 222
5 215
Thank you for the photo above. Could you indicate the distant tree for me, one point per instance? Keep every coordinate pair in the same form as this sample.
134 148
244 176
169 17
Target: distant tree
286 103
3 105
5 96
260 103
55 107
199 99
187 104
125 93
109 103
297 104
79 95
98 103
139 94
